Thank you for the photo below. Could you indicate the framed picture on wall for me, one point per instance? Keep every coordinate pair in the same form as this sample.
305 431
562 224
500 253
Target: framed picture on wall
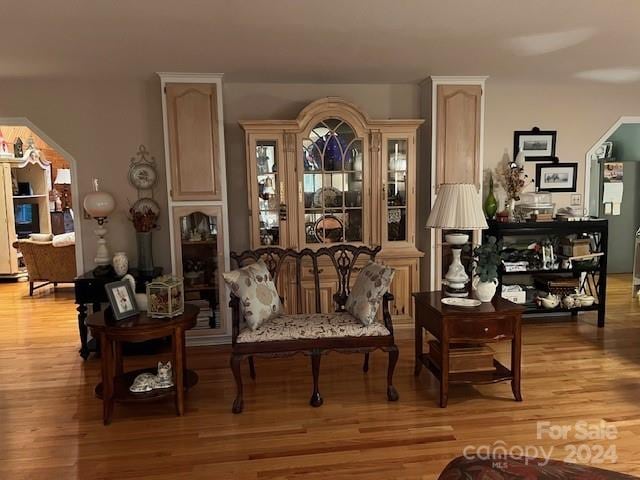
605 150
557 177
537 145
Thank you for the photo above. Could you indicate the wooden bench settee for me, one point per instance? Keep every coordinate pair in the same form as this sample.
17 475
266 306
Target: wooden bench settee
312 334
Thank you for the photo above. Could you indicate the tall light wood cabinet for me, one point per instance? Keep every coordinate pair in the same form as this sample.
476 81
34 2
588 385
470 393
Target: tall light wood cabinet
457 113
16 208
196 187
192 121
333 175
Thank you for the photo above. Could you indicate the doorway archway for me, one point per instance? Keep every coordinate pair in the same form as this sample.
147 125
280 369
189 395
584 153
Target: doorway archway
75 198
591 204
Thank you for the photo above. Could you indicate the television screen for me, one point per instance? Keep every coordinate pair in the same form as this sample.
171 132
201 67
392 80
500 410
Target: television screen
24 214
26 217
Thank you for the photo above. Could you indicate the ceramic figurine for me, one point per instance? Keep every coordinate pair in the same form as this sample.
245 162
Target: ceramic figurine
141 298
17 148
145 382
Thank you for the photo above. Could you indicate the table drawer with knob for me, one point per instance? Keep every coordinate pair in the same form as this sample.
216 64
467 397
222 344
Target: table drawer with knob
481 329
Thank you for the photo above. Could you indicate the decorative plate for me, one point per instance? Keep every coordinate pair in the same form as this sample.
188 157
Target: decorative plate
143 176
461 302
146 204
331 195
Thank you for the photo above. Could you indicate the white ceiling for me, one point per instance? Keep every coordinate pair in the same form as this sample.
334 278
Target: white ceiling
358 41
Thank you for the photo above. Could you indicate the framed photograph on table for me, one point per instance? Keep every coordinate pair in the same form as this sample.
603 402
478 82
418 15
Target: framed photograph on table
557 177
122 299
537 145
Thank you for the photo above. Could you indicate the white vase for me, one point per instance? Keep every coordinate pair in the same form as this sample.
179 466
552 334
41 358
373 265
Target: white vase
484 291
120 263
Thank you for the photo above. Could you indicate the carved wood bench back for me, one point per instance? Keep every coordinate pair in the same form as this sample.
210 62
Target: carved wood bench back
343 257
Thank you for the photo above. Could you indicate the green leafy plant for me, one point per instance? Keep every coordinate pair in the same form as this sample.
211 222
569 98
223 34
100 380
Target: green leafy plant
487 259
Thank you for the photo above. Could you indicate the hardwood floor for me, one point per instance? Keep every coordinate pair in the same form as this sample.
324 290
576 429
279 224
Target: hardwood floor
51 424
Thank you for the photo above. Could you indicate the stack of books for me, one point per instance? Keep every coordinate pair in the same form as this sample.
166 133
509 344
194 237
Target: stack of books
205 313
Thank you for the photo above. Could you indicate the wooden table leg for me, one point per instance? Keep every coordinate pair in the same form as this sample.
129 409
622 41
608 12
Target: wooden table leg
444 372
184 361
178 368
82 329
107 378
418 347
117 358
516 358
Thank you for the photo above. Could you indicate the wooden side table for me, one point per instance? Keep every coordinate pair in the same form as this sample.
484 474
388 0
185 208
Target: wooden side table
89 290
140 328
492 322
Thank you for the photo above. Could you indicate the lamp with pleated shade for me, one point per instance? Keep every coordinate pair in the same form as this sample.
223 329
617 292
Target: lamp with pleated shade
457 207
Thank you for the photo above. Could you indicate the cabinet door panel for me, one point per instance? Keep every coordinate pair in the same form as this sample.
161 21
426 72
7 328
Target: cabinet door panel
8 259
199 259
192 117
405 282
327 290
266 176
458 134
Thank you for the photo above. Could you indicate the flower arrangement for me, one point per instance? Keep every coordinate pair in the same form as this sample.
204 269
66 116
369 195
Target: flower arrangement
512 179
143 220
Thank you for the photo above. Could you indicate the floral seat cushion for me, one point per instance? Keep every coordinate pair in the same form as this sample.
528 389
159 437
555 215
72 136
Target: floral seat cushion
311 326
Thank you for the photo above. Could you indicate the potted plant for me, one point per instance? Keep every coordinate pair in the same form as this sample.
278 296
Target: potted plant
486 260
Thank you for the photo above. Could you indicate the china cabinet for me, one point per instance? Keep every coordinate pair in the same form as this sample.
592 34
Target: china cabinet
25 184
333 175
457 115
195 163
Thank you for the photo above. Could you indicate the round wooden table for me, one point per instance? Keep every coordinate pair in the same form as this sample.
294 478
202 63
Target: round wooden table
140 328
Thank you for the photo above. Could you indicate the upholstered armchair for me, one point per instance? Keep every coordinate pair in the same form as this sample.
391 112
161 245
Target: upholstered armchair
46 263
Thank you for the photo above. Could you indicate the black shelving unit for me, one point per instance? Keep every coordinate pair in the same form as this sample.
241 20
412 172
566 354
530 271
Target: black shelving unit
594 280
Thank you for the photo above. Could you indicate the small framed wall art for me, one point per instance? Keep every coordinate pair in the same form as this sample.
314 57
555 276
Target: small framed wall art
557 177
537 145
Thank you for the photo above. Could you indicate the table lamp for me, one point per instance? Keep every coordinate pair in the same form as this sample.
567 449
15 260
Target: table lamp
100 205
63 177
457 207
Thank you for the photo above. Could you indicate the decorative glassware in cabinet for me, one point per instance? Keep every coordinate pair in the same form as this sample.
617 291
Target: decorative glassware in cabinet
332 183
268 193
200 266
397 155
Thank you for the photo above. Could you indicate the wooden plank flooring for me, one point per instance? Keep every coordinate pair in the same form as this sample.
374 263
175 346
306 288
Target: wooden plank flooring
51 426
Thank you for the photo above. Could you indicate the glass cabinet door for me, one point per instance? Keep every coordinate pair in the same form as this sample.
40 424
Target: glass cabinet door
332 184
200 260
268 184
396 158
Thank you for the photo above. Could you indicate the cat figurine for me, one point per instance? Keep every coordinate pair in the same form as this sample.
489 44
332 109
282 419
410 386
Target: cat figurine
145 382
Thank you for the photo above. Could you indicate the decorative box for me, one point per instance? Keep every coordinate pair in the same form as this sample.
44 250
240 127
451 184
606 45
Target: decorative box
165 296
514 293
575 247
